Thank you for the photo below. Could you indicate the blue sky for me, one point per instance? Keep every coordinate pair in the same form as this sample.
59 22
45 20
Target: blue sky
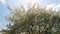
15 3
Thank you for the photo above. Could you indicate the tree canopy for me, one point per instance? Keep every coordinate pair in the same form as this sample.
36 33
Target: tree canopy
35 20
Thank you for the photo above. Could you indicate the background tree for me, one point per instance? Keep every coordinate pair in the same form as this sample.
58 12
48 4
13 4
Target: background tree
35 20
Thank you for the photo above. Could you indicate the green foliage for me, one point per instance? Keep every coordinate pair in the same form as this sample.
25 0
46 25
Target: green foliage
35 20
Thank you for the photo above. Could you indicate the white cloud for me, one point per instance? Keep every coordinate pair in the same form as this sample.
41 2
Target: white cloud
50 6
24 2
53 7
3 1
57 7
32 1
